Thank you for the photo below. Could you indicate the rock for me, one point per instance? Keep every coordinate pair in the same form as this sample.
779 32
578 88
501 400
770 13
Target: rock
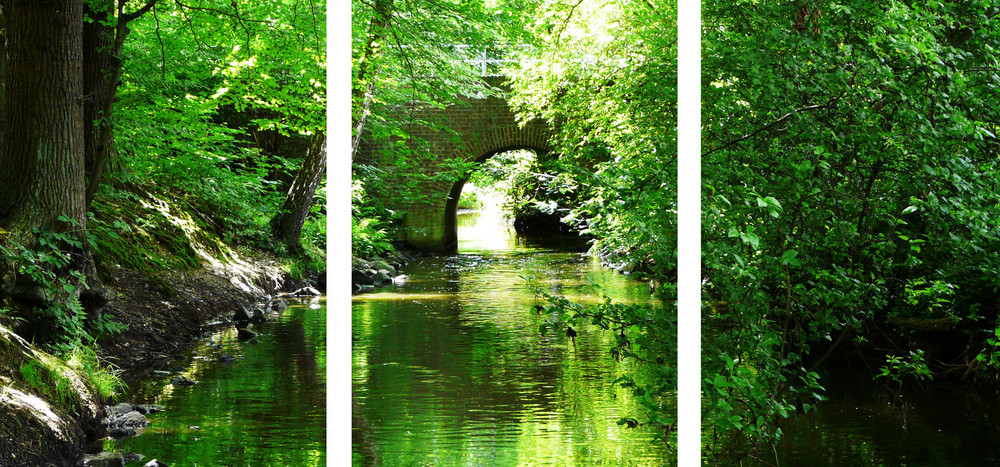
258 316
155 463
359 276
242 315
113 412
133 419
161 373
148 408
382 277
400 279
382 265
279 306
133 457
360 289
182 381
227 358
306 292
245 334
359 264
103 459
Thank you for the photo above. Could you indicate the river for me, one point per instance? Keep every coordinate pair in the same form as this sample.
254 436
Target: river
938 424
267 407
449 368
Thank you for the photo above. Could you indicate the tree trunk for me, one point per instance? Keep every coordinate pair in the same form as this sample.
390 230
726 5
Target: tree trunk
3 79
103 41
42 157
101 70
363 88
41 161
286 226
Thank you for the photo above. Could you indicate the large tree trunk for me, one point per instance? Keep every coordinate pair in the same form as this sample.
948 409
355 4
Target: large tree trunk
3 78
286 226
41 161
42 157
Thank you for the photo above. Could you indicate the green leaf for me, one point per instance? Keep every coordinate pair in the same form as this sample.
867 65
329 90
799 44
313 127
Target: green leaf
789 258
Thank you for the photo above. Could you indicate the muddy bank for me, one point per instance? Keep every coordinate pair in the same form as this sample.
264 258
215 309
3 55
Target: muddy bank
164 313
170 310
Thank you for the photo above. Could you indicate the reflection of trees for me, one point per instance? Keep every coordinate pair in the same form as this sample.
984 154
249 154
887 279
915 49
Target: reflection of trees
267 408
936 426
462 358
365 450
461 365
296 362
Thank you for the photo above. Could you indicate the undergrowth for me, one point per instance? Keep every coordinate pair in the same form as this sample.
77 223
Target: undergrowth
43 271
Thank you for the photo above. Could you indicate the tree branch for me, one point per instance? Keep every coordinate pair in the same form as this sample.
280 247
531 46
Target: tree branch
141 11
766 127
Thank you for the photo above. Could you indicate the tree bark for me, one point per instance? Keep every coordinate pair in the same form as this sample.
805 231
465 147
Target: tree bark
363 88
41 161
3 77
286 226
103 40
42 152
101 68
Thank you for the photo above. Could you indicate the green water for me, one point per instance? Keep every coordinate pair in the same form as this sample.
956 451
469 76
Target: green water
449 368
265 408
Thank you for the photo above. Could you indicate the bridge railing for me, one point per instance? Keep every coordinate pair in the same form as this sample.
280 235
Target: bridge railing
491 60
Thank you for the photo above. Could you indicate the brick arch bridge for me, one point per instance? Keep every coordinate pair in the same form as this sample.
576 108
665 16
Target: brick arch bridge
485 127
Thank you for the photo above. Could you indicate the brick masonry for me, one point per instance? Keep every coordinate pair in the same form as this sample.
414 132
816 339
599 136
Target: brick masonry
485 127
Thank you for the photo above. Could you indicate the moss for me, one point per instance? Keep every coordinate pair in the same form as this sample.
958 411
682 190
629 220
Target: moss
166 289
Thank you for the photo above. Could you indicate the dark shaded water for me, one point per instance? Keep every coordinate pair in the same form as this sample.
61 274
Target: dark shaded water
450 369
859 425
265 408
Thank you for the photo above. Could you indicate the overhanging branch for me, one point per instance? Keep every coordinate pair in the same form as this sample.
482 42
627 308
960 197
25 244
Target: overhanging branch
767 127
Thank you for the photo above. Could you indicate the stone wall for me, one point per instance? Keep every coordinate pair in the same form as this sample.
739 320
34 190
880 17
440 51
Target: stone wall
485 127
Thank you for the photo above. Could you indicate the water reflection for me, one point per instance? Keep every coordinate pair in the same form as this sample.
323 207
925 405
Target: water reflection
940 425
450 368
265 408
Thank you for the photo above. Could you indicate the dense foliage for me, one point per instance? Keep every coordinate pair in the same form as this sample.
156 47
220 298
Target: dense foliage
850 198
218 103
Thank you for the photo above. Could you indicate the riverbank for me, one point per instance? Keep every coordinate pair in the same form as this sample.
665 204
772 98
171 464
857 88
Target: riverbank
165 312
47 422
369 273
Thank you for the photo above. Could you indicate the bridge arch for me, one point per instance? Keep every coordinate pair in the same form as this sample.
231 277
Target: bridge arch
485 127
451 205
